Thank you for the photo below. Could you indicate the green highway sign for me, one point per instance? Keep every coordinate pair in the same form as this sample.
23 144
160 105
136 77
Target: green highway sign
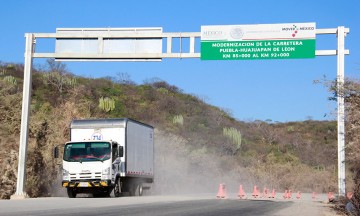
267 49
251 42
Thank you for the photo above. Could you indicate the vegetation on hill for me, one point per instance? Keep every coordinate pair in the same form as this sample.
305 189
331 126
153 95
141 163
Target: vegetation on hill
351 93
197 145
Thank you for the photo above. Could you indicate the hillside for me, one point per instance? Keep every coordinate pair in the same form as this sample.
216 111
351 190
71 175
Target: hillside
197 145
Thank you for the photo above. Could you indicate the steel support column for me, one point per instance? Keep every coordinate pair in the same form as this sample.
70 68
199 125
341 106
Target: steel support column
25 113
341 109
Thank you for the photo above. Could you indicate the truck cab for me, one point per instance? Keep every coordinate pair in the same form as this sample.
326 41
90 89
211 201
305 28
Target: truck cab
106 155
91 166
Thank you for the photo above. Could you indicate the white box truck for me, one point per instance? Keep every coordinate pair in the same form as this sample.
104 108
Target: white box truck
106 155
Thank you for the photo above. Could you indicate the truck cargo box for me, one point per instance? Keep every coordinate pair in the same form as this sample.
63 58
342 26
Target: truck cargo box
136 138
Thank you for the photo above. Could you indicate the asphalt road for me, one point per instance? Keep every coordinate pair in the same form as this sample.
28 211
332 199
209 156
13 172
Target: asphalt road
154 206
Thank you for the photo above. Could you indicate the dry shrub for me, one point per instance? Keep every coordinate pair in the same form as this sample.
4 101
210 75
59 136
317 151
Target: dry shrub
49 127
10 109
294 176
8 173
352 105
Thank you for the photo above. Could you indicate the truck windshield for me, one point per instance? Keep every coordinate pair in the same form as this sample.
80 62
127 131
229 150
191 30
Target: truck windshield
87 151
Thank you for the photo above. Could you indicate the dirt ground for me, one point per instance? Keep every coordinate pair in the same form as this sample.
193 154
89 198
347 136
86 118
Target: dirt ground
308 206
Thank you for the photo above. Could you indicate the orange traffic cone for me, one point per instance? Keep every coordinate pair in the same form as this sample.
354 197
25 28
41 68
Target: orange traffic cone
289 194
298 195
241 193
255 193
222 192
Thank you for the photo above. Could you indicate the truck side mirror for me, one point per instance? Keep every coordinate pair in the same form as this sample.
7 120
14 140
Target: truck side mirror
121 151
56 152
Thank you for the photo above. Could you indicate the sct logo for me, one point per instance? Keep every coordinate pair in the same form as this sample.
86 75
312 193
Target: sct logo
96 136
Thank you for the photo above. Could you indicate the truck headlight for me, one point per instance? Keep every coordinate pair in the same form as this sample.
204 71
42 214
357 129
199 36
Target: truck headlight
106 173
65 174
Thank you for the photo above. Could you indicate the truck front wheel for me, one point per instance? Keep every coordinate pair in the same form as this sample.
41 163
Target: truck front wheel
71 193
117 188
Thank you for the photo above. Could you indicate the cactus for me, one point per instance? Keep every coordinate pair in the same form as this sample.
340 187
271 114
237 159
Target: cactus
178 119
2 72
290 129
163 90
234 135
71 81
10 66
106 104
10 79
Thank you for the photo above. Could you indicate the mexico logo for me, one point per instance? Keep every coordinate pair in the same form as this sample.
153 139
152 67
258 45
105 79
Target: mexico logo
236 33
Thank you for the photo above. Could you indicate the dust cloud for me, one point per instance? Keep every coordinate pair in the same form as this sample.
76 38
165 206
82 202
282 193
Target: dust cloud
180 169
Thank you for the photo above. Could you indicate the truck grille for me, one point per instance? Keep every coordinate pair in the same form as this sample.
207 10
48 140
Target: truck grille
77 176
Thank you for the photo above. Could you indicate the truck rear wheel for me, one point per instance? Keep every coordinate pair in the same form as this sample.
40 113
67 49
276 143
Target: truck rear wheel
71 193
141 189
137 190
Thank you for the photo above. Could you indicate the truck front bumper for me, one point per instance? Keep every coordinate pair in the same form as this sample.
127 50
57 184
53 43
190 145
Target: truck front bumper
87 184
